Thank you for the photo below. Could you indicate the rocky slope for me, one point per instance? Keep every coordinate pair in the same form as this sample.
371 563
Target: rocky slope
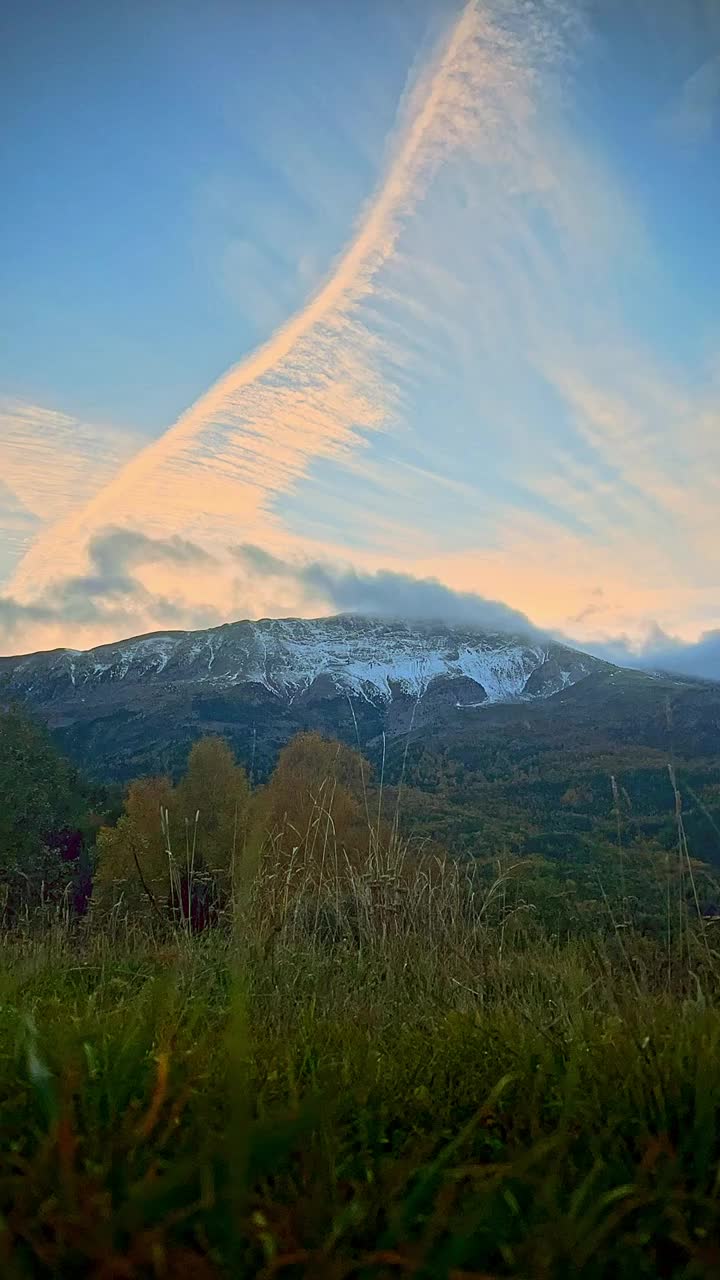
297 657
138 703
291 658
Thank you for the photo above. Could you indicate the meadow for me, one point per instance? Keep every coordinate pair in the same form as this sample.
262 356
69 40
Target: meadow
355 1060
431 1092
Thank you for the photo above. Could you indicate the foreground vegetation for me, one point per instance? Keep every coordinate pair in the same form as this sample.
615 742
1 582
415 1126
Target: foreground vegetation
285 1042
485 1103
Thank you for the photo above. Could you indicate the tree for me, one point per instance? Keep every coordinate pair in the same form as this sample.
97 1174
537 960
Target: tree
132 862
172 851
212 807
43 809
318 791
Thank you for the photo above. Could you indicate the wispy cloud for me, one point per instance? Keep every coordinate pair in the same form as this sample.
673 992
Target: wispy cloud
51 464
692 116
468 397
318 387
52 461
647 489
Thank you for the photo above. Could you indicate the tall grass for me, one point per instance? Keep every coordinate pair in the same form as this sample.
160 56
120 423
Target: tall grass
371 1067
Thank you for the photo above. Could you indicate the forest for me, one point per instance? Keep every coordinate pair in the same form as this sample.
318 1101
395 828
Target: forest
576 832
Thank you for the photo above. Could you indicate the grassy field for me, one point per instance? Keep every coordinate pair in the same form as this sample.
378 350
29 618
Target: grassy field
367 1085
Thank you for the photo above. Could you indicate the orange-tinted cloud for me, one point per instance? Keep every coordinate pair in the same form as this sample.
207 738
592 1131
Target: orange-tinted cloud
495 294
50 463
316 388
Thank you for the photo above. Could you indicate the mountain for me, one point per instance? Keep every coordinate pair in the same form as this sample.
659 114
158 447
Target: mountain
496 741
396 688
137 704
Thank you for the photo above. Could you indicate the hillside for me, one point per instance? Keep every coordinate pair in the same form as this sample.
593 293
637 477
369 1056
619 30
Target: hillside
538 779
137 705
495 741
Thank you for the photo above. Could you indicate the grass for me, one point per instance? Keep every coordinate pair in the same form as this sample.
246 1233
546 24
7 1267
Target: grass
378 1075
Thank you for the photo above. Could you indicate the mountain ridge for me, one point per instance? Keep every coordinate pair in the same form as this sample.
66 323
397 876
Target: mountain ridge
136 705
358 654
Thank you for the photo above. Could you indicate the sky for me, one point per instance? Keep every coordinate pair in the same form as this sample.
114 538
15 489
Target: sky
372 306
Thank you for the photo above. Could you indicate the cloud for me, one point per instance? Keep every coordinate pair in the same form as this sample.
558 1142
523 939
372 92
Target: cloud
323 382
18 527
537 447
384 593
638 475
111 593
693 114
662 652
590 611
115 552
50 463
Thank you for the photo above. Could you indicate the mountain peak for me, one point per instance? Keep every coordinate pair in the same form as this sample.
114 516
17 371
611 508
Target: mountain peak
358 655
138 703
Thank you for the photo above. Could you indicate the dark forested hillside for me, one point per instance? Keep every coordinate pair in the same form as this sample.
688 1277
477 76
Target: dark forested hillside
591 763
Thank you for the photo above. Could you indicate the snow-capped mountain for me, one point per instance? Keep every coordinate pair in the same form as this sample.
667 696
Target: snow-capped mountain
136 706
289 658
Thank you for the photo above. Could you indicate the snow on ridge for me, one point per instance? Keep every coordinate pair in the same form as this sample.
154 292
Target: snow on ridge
366 663
363 657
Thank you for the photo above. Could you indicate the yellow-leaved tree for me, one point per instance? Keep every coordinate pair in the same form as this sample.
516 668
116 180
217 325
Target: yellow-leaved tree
211 805
317 799
174 849
132 865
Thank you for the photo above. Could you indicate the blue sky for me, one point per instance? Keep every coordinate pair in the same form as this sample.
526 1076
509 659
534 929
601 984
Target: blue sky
426 288
177 177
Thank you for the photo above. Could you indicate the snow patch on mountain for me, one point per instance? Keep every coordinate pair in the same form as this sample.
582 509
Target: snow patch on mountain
368 658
